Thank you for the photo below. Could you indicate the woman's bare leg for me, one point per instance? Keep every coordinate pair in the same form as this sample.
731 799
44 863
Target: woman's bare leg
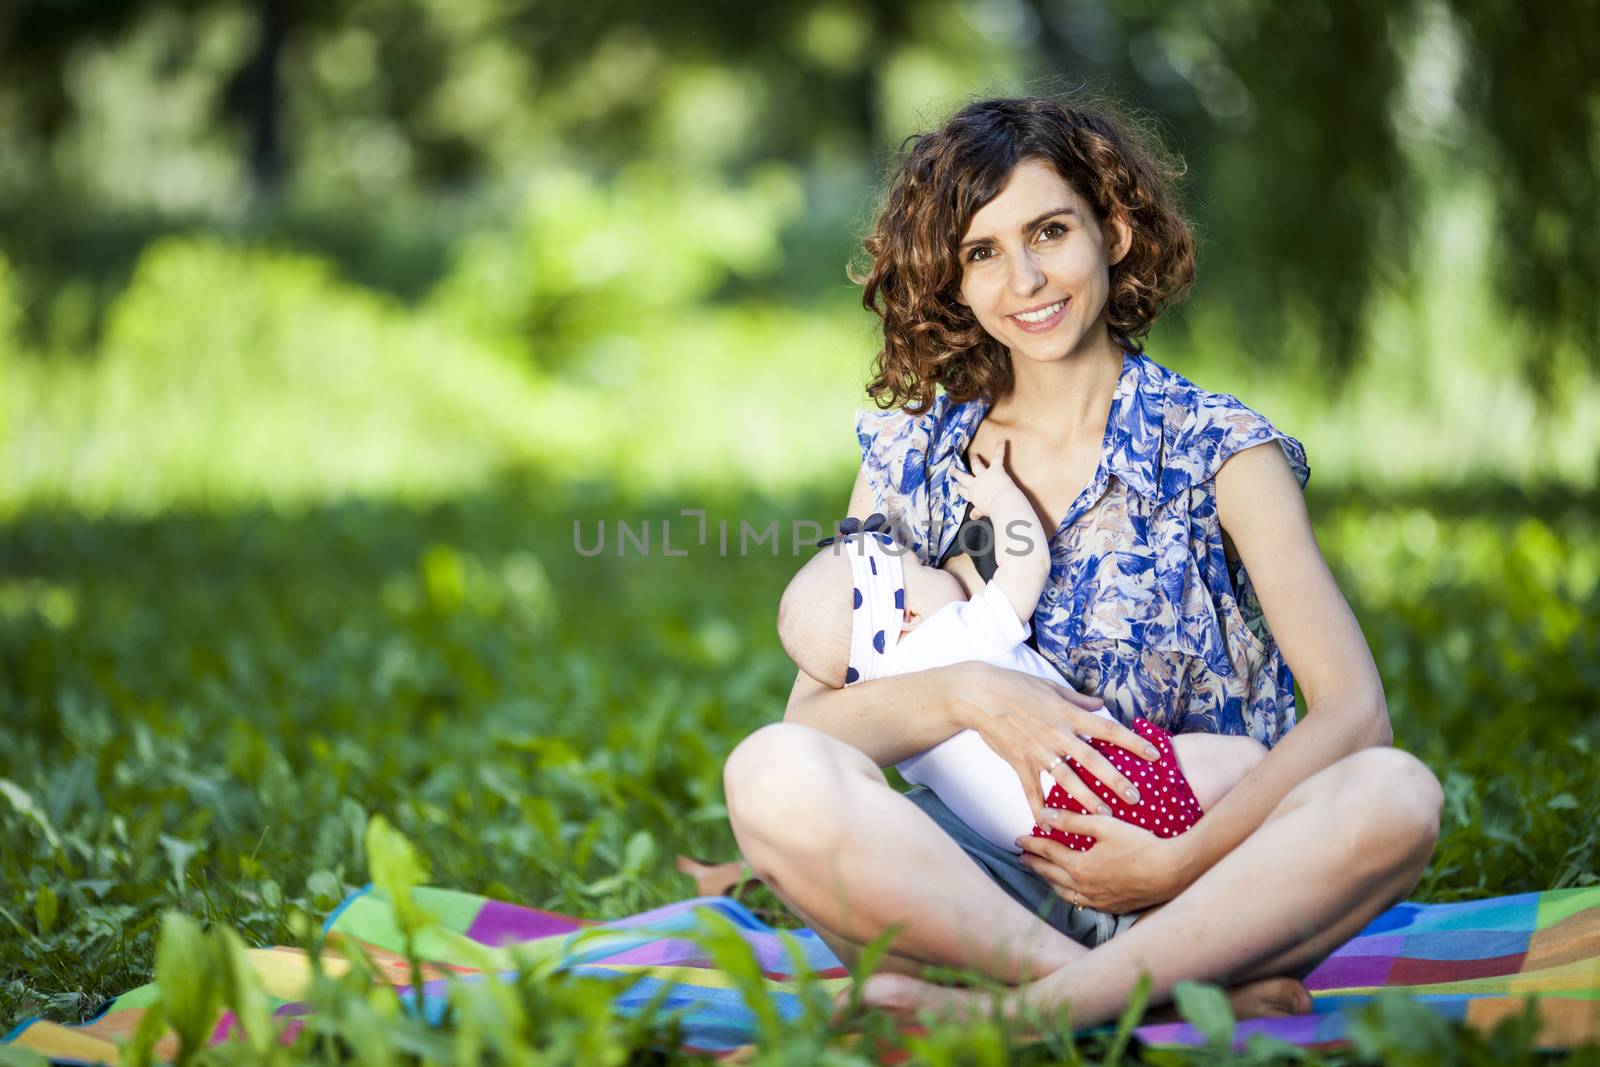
822 828
1341 847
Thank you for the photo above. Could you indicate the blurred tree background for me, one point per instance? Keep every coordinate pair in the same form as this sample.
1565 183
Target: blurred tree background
452 237
322 323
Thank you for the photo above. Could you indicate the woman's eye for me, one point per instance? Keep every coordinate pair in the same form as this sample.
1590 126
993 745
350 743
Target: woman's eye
976 255
1047 228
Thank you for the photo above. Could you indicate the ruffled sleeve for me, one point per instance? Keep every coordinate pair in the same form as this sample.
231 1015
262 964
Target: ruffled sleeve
894 455
1208 620
1216 427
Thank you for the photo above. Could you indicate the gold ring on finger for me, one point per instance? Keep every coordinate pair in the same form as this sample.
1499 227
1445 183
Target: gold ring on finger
1076 901
1048 767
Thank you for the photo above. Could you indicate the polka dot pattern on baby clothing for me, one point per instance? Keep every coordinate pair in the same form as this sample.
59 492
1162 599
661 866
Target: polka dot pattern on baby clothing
1167 805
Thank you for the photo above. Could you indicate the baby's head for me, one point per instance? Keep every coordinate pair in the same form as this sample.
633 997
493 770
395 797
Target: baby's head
820 610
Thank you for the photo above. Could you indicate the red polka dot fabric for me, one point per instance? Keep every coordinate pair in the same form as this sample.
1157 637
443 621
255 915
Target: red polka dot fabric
1167 805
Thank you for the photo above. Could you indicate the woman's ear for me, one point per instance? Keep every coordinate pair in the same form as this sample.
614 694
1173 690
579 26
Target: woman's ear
1121 234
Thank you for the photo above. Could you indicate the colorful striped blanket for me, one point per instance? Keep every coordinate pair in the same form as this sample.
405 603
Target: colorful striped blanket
1476 962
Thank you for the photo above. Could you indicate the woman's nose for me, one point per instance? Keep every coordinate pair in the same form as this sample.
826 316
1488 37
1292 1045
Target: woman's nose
1026 277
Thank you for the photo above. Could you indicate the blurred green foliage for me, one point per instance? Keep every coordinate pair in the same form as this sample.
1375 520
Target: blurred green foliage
611 241
608 337
584 263
257 384
1319 133
230 374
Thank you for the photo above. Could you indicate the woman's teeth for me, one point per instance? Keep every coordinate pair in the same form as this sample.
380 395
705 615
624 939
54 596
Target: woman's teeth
1041 314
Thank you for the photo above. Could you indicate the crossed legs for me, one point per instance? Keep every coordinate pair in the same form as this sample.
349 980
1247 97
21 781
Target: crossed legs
818 822
820 825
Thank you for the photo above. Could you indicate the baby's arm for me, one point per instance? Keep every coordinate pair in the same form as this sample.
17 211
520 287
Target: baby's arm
1021 545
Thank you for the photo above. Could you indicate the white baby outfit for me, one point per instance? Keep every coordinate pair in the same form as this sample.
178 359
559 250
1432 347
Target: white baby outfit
972 780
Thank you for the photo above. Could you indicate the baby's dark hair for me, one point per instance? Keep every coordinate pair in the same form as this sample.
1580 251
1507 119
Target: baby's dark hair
944 177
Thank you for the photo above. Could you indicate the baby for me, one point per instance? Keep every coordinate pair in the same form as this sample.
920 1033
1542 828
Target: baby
901 616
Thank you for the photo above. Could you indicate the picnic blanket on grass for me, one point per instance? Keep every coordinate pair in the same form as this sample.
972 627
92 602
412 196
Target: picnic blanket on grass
1475 962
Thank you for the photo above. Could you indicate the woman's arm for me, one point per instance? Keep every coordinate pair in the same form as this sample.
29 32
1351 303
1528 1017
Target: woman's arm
1263 512
890 719
1260 506
893 718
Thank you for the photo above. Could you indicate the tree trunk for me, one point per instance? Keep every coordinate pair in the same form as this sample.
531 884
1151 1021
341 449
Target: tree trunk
266 154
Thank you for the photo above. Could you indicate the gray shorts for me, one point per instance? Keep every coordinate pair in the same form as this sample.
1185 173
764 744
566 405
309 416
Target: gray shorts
1087 926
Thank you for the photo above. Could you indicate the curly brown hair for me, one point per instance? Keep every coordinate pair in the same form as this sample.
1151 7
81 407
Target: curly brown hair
944 177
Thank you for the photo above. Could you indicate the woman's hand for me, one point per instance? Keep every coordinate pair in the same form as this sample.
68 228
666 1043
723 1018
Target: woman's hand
1129 867
1030 721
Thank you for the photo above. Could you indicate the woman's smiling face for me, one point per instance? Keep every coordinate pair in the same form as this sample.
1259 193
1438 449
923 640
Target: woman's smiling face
1035 265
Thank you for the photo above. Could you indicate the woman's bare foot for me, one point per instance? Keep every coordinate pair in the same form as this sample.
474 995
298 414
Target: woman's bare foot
905 998
1267 997
717 879
1263 998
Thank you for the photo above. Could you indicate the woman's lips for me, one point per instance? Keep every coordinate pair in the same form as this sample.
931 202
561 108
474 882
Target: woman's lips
1045 324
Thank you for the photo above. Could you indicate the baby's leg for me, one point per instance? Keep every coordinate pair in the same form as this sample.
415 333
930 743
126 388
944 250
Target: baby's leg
1214 763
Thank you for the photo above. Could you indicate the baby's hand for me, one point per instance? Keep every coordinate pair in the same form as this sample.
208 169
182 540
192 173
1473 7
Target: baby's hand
986 482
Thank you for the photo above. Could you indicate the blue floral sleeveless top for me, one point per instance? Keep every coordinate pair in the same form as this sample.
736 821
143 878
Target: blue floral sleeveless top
1143 608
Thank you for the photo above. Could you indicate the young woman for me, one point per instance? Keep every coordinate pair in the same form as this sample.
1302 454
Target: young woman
1024 249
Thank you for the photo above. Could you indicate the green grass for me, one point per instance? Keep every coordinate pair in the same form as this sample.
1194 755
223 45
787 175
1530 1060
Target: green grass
205 709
